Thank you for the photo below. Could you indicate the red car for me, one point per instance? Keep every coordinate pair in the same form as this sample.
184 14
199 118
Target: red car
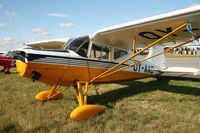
7 61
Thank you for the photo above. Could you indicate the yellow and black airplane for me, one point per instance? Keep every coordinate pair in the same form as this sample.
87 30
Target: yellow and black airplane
108 55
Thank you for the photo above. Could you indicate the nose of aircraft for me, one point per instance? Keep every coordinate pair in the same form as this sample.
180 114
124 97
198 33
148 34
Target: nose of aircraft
21 67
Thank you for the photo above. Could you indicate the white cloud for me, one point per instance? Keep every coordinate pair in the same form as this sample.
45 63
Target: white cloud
9 43
67 25
2 25
45 33
8 40
61 15
11 15
1 6
40 31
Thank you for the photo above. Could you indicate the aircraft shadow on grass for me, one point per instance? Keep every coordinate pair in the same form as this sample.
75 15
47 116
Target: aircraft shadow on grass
136 87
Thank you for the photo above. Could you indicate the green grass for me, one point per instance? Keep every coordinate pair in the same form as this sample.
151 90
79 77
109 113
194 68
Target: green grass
144 105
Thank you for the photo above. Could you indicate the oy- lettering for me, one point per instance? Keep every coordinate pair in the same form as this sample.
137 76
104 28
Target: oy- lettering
156 34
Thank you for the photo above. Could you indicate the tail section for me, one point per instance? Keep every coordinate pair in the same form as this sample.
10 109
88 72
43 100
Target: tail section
158 60
194 71
160 63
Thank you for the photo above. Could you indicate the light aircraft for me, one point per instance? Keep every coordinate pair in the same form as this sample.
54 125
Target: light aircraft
7 61
109 55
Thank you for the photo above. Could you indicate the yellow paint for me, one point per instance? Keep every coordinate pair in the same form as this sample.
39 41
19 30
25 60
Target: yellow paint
134 44
21 67
64 75
44 95
86 111
53 90
116 77
57 94
86 93
80 94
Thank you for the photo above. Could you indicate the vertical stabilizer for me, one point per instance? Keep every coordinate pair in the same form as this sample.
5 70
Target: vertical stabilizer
158 60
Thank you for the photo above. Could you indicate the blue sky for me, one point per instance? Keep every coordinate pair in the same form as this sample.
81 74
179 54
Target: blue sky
32 20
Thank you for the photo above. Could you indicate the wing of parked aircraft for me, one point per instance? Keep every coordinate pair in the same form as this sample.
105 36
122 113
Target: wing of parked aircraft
47 44
150 29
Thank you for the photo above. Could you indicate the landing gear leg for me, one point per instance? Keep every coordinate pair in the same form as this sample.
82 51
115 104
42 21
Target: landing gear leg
7 70
3 69
52 94
84 111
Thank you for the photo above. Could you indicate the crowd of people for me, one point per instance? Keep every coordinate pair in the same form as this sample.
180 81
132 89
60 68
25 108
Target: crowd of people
185 51
177 51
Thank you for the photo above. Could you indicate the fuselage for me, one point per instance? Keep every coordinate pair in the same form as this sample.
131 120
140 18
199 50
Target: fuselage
80 63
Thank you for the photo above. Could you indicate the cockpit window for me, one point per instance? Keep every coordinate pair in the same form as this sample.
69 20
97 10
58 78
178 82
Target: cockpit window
78 45
10 54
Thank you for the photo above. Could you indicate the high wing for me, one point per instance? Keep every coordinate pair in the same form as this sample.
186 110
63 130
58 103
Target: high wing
150 29
47 44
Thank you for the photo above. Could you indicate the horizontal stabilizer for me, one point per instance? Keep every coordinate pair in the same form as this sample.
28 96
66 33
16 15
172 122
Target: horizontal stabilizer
195 71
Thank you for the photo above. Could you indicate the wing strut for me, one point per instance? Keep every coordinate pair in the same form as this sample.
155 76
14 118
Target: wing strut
134 43
189 28
108 72
85 110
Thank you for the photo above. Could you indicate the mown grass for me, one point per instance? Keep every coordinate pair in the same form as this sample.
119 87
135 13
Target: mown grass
144 105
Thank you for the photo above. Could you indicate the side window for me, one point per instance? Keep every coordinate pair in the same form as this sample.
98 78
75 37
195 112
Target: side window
100 52
118 53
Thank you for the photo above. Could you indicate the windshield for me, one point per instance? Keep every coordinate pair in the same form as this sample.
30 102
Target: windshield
78 45
10 54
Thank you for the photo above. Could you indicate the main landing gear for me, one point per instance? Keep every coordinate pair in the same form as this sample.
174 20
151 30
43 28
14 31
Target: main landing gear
46 95
84 111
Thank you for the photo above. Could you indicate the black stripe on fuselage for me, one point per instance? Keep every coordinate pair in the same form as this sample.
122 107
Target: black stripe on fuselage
71 61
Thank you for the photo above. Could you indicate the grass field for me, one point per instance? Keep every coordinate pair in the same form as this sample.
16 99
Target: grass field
144 105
